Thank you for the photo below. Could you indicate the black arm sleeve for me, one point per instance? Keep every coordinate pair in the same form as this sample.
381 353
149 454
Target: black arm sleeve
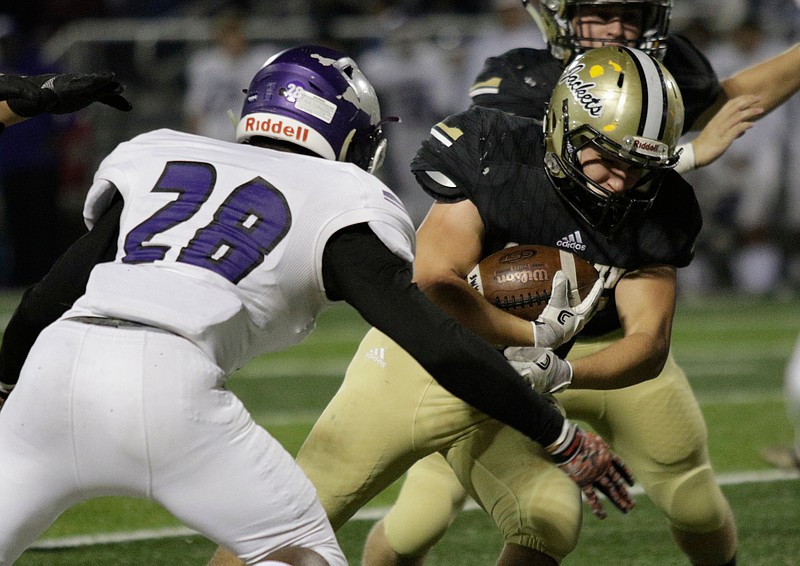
359 269
48 299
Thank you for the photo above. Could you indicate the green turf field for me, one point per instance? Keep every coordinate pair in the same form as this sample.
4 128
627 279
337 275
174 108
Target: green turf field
734 351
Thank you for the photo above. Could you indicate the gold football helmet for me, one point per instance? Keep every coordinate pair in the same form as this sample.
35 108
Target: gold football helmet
626 104
555 20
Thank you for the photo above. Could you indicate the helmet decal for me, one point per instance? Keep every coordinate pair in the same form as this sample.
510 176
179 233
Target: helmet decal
582 91
318 99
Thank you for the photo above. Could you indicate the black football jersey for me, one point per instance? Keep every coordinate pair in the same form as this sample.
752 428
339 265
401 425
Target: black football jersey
520 81
495 159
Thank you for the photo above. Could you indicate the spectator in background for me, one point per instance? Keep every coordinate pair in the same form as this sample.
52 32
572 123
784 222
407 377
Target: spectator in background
416 80
741 190
217 75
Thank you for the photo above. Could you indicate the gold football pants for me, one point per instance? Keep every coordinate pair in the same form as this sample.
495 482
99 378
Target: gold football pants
389 412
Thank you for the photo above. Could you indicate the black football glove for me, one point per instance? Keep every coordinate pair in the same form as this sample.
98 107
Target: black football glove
14 86
62 94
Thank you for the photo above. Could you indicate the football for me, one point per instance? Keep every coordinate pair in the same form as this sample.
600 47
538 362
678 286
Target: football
519 279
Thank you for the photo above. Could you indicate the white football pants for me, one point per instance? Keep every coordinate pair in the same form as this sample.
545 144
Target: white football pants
140 412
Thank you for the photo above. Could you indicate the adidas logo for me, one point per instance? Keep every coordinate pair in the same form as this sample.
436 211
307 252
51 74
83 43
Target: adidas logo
572 242
376 355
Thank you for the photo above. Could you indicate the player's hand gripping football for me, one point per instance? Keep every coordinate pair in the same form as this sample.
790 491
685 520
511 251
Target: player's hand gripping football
541 368
586 458
559 321
61 94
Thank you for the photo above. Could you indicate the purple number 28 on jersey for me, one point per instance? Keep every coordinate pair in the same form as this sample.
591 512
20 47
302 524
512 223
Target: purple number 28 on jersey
246 227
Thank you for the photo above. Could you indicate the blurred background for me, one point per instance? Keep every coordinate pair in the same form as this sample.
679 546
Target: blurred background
185 63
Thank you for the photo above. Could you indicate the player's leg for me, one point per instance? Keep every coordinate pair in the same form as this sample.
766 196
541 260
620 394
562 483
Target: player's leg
788 457
36 474
536 507
534 504
218 471
388 413
429 501
657 428
792 396
289 556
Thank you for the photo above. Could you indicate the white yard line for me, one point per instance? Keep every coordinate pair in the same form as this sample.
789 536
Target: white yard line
371 514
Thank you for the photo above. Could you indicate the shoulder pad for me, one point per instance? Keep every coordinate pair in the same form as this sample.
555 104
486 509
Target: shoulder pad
519 82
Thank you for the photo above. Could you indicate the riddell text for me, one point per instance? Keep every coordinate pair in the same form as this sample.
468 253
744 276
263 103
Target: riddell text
253 125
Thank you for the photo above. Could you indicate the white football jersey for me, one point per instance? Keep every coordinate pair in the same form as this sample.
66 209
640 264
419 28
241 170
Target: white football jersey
222 243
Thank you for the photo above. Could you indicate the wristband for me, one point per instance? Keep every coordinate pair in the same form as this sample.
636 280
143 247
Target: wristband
686 162
566 445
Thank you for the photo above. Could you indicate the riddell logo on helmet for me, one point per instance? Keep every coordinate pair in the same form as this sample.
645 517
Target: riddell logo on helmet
649 147
268 126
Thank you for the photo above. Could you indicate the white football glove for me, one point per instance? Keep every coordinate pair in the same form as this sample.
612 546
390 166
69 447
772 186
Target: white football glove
541 368
559 322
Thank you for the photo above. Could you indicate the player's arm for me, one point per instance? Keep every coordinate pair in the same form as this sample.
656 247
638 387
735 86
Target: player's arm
646 305
449 245
7 116
12 86
27 96
773 81
729 123
360 269
47 300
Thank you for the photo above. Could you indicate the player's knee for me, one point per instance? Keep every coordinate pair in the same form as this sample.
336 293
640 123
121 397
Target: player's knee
412 532
554 534
428 504
548 523
692 502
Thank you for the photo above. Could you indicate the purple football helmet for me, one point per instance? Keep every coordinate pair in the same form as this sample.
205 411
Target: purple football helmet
319 99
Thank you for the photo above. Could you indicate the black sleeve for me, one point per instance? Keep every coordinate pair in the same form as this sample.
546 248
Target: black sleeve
358 268
698 82
48 299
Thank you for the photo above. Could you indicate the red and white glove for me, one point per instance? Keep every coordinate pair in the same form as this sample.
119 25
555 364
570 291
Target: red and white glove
586 458
559 322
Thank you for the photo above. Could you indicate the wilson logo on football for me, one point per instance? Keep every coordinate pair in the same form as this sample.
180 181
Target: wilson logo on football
278 127
521 276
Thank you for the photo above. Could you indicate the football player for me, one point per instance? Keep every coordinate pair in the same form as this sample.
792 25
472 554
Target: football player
599 175
219 252
788 457
22 97
520 82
